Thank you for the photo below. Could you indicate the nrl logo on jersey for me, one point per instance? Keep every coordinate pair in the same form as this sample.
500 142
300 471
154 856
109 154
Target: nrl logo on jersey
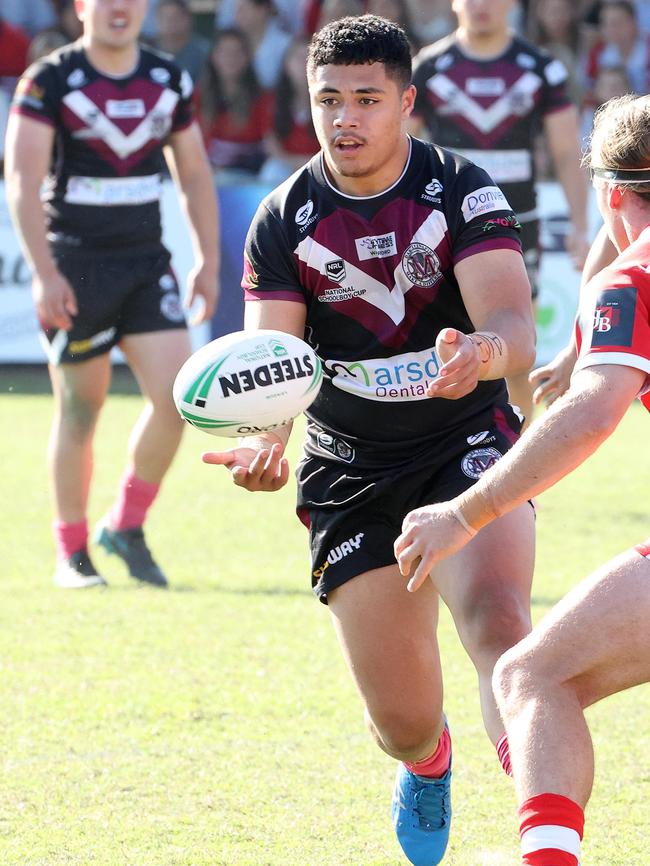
432 191
335 270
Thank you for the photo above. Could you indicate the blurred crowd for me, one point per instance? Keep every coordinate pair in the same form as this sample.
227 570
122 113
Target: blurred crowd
248 64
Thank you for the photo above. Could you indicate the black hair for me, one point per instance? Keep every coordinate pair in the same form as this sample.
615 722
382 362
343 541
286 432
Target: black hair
213 98
357 40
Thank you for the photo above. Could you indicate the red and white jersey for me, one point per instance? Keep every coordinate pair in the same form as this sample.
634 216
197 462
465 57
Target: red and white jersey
613 323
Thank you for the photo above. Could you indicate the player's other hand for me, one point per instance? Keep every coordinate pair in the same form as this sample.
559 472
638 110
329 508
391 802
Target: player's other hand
202 286
429 535
552 380
254 469
458 375
55 301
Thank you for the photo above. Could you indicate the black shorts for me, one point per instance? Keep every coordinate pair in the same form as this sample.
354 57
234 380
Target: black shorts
355 514
119 292
530 245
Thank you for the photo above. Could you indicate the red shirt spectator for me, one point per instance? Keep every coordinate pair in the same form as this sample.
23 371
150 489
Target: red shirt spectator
13 50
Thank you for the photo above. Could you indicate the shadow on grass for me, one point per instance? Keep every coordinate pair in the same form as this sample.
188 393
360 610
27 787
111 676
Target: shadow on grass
30 379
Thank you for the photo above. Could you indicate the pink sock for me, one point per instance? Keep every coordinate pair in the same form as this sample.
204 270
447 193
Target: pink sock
134 499
551 828
503 751
70 538
437 764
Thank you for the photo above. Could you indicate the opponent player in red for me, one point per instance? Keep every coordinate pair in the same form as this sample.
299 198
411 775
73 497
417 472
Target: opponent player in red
596 641
371 252
93 118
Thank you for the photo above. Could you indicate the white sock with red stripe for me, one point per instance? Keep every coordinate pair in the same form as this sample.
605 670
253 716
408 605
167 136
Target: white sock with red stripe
550 828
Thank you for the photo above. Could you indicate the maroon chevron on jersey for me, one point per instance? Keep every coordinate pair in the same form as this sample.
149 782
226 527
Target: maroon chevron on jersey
490 110
377 277
110 132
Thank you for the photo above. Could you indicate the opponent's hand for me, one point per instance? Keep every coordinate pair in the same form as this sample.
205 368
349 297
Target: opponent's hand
203 283
577 246
429 535
55 301
458 375
263 469
552 380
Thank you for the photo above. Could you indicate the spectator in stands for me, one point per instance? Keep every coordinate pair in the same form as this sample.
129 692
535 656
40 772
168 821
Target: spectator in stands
611 82
555 26
431 20
31 16
397 11
44 43
332 10
292 14
176 36
268 40
14 45
621 43
235 112
292 140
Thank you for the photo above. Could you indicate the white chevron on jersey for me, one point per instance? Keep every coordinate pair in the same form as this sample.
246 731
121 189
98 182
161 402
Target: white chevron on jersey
123 145
484 119
389 301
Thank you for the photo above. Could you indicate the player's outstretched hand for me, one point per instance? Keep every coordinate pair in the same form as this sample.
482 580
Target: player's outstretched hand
253 469
429 534
203 284
552 380
55 301
458 375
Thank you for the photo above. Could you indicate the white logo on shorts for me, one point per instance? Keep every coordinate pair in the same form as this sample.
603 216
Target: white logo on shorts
476 462
170 307
167 282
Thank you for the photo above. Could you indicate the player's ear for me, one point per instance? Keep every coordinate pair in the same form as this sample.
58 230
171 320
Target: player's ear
408 100
614 197
79 8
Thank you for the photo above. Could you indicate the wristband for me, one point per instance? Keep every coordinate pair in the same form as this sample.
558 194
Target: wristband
460 517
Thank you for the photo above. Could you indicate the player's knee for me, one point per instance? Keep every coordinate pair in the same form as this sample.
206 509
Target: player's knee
79 413
494 622
515 681
407 736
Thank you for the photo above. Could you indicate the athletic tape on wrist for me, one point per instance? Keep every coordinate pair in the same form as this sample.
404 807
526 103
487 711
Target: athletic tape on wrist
460 517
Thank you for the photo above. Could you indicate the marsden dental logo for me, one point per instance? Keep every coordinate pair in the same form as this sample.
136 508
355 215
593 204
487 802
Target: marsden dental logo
400 378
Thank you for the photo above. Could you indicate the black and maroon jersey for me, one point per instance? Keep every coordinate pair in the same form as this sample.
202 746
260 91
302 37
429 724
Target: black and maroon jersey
613 322
105 174
376 274
490 110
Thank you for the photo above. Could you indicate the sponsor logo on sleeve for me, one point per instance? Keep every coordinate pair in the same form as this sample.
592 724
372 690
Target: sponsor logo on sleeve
483 200
376 246
250 280
186 84
613 323
509 222
556 72
29 93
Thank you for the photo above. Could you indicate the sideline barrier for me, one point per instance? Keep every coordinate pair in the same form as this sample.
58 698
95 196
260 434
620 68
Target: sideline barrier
559 282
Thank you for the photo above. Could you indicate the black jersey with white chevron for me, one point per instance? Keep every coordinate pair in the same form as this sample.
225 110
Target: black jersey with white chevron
377 277
491 110
104 181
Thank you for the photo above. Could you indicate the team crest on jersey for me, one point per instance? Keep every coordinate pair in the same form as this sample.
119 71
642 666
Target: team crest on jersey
476 462
335 270
421 265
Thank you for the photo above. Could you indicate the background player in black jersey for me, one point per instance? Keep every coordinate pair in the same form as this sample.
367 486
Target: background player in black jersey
484 92
94 117
401 264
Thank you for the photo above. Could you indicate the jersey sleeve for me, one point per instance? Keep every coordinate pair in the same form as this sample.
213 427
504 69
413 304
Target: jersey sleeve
184 113
480 218
36 94
555 94
270 272
613 323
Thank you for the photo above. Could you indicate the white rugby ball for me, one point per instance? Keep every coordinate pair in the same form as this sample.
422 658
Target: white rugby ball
247 382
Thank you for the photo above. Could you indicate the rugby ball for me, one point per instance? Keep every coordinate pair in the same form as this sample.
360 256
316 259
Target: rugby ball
247 382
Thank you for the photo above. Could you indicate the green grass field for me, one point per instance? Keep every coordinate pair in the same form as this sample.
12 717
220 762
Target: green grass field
216 724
